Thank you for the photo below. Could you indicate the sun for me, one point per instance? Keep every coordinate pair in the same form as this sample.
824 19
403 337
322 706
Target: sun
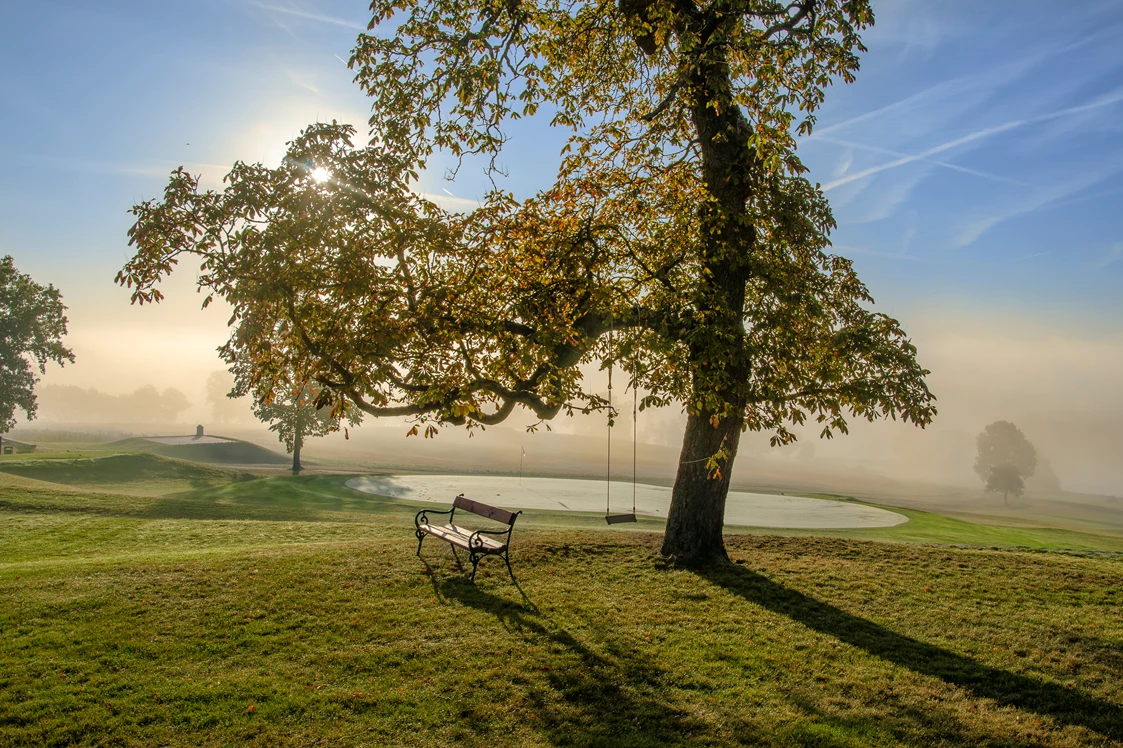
320 175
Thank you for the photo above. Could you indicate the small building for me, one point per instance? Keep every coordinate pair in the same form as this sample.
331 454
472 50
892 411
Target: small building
13 447
202 447
198 438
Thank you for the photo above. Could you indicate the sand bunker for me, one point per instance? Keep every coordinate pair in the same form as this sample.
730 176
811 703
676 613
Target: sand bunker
747 509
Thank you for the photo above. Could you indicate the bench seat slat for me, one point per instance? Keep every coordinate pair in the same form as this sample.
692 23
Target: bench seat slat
487 540
459 536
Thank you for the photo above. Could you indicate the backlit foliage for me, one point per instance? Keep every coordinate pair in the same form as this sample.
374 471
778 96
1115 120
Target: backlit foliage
679 237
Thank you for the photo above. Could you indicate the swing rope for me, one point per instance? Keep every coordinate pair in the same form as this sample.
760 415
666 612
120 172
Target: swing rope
635 403
608 476
609 517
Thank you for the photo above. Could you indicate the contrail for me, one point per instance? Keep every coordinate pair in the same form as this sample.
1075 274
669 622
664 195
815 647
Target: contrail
977 135
944 164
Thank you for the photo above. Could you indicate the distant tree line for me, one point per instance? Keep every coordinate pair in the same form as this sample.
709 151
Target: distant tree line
71 404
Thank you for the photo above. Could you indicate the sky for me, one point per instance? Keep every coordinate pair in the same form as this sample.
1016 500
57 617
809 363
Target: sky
975 168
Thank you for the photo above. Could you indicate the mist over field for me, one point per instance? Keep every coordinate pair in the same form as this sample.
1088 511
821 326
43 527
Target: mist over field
1061 391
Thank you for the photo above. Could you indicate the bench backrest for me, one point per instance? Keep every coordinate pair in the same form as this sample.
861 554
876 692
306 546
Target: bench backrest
484 510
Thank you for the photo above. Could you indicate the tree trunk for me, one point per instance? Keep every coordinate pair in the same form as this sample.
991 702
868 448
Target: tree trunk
729 165
296 466
693 535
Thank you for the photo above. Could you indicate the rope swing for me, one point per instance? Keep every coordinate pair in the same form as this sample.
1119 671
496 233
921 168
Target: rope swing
609 517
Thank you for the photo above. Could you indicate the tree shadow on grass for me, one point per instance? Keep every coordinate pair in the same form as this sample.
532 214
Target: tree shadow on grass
1065 705
611 695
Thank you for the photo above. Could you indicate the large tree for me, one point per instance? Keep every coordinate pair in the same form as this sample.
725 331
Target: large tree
679 236
32 324
1004 458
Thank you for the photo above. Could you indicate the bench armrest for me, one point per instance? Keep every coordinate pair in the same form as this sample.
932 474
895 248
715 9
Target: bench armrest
474 539
422 517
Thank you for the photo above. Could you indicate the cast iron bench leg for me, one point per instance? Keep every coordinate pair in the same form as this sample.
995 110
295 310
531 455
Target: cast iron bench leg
475 563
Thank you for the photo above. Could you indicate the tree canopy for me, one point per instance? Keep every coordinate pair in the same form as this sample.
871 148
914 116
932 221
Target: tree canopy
679 236
32 324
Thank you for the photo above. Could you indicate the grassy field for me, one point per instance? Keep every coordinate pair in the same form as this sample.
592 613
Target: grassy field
215 609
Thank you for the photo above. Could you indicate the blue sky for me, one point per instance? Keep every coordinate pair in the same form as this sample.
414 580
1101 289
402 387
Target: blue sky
975 168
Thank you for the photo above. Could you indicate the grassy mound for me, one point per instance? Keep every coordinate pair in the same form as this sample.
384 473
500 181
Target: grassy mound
233 452
137 472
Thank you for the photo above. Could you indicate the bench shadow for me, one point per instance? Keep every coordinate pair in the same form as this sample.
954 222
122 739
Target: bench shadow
1065 705
438 589
608 698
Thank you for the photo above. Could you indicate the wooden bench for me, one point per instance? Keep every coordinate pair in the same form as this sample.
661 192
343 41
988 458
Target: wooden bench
478 543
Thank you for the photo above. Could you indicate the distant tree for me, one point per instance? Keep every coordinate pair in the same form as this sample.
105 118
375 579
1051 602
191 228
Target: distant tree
1005 458
1007 479
149 404
226 405
299 416
32 324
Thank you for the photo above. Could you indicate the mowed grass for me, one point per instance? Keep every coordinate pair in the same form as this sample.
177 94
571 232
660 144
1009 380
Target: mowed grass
292 612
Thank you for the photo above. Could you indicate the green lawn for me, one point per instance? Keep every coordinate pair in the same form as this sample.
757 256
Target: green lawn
284 611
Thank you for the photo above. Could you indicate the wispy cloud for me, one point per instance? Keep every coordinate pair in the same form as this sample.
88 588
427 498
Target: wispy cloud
295 12
451 203
1113 255
945 99
882 200
301 81
1086 197
845 162
914 26
1040 199
151 167
981 134
935 162
1030 257
847 250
